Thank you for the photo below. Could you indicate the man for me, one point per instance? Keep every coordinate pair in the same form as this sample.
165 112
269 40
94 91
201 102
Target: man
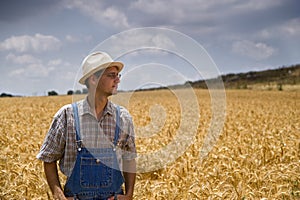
92 139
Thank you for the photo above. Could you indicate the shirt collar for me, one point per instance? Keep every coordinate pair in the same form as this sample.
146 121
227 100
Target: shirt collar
108 109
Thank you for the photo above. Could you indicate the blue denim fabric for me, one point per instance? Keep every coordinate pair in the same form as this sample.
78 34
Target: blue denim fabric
96 173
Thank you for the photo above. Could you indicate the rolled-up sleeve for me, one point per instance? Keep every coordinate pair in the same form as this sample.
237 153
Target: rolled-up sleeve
53 147
129 146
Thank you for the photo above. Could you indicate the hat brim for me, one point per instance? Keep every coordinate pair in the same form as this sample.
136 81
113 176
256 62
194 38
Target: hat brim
119 65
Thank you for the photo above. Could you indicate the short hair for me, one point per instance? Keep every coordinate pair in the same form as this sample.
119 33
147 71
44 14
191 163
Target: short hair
97 74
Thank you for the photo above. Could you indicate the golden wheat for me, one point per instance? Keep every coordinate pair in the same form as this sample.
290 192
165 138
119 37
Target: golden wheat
257 155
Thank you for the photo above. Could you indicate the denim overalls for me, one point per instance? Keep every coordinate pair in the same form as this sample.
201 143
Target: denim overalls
96 173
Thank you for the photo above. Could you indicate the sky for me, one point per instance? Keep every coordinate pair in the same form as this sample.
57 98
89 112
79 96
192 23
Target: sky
161 42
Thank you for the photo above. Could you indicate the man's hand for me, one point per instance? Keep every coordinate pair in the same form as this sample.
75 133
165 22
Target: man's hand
53 181
121 197
62 197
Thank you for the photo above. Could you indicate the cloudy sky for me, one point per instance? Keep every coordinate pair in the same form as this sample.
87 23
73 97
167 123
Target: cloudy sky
43 42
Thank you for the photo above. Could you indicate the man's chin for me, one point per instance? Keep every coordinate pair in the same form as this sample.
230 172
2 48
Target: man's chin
114 92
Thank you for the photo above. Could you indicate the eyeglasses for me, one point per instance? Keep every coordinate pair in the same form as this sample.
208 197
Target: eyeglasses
113 75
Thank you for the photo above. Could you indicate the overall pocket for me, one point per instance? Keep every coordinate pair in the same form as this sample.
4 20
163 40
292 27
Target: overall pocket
94 173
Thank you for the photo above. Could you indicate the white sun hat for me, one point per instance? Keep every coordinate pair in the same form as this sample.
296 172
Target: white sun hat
97 61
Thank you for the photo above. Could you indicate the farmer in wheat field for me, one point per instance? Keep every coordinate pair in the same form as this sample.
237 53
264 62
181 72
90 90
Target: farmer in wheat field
93 139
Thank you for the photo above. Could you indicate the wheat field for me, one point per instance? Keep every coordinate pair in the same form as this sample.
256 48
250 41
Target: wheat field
257 155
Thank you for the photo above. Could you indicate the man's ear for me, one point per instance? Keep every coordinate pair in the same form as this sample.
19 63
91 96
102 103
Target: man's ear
93 80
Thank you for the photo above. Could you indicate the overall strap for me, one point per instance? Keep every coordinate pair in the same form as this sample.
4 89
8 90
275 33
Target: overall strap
77 126
117 131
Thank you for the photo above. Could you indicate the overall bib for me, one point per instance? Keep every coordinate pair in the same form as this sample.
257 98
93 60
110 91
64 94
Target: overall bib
96 174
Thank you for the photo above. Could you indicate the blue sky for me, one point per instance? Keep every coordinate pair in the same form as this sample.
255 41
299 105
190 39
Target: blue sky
42 43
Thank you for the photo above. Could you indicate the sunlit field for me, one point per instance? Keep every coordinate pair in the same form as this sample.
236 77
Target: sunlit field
257 155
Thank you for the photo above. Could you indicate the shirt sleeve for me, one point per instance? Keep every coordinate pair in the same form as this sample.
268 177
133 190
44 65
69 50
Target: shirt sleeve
53 147
129 146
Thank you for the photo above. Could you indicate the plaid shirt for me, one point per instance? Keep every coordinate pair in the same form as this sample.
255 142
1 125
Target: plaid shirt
60 141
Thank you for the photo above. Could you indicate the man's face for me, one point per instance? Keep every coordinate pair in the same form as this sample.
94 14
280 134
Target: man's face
108 81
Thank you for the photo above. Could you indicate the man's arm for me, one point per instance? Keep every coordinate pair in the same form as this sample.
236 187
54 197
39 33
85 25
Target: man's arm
53 180
129 168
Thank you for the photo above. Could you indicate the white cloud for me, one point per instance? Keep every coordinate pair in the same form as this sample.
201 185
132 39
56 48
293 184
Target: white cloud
178 8
32 67
116 17
22 59
178 11
55 62
35 70
291 28
137 39
26 43
173 12
152 7
71 76
287 30
254 5
72 39
98 12
257 51
80 38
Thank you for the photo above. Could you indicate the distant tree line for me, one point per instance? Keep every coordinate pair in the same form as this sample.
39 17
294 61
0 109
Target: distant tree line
52 93
6 95
70 92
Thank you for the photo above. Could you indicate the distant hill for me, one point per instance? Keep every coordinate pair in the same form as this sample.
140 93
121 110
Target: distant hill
280 76
266 79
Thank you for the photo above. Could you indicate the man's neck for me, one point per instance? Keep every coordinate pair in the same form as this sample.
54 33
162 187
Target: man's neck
97 104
